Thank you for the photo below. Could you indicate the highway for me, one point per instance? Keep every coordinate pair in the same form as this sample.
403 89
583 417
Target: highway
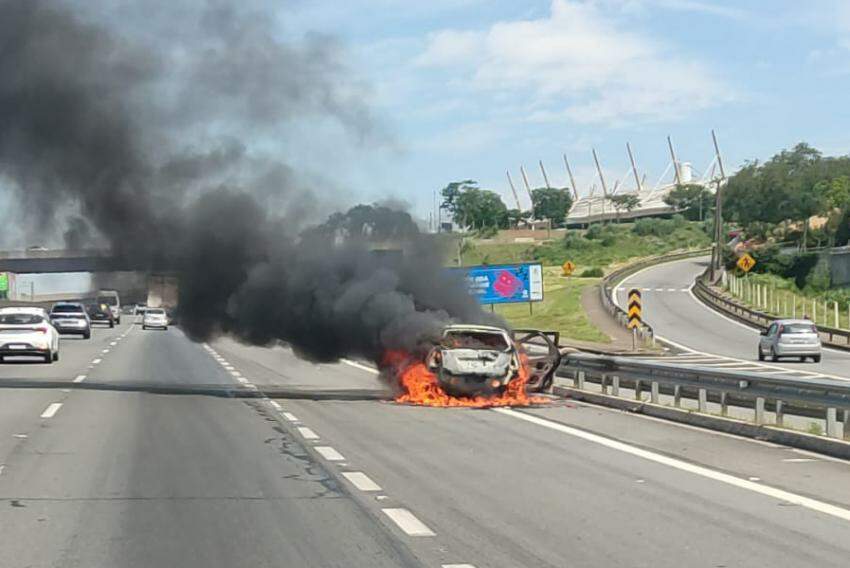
141 448
706 337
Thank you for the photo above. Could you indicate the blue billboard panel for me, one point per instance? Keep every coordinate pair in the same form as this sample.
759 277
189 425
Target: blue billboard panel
505 283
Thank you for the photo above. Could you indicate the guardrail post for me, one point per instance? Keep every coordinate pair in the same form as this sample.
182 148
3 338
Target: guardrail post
702 404
579 380
638 390
653 394
724 404
615 385
846 424
603 383
780 413
759 414
832 422
677 395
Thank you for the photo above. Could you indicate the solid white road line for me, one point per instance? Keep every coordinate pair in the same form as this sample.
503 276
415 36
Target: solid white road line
51 410
307 434
276 405
291 417
360 366
79 378
457 566
407 522
361 481
749 485
329 453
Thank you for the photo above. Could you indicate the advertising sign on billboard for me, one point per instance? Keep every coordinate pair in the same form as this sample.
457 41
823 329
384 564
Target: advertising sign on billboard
505 283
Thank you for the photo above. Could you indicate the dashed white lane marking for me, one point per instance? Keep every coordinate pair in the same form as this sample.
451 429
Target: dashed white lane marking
291 417
457 566
105 351
114 343
236 374
275 404
408 522
659 289
361 481
96 361
671 289
360 366
307 434
51 410
747 484
329 453
229 367
79 378
242 380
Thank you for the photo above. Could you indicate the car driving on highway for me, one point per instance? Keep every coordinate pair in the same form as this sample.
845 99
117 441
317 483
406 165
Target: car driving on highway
790 338
155 317
100 313
27 332
475 360
111 299
71 318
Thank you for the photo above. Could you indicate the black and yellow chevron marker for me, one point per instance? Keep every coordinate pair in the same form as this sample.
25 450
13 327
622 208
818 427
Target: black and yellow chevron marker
634 308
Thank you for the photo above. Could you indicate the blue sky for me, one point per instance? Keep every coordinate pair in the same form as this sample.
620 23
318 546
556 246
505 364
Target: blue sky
470 88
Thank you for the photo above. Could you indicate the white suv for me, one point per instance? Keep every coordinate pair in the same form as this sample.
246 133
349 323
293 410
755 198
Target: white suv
155 317
27 332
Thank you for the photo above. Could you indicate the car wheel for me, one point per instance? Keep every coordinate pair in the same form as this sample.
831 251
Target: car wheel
56 356
118 321
48 357
111 324
773 356
144 326
87 334
165 328
816 358
761 354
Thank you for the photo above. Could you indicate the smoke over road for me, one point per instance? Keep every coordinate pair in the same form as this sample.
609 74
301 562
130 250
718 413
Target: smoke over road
150 146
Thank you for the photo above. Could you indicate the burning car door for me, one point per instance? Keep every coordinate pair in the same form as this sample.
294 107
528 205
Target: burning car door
541 350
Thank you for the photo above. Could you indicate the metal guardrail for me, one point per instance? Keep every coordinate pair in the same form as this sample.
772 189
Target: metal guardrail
610 282
831 336
826 399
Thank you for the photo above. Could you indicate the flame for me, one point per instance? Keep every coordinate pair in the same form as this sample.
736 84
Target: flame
420 386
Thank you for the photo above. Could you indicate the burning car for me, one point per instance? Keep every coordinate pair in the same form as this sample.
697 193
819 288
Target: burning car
477 360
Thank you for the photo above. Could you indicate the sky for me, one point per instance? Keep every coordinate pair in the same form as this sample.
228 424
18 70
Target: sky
467 89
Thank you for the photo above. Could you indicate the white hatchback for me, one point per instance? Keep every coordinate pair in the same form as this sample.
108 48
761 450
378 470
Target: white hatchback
27 332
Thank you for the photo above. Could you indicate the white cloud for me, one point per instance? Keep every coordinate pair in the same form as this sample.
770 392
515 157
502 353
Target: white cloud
578 63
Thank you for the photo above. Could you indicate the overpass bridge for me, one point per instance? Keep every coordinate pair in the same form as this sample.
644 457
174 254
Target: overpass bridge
44 261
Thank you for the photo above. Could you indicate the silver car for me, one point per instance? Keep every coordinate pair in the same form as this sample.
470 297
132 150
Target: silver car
155 317
790 338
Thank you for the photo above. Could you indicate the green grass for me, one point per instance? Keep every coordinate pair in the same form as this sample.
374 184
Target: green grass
560 309
617 244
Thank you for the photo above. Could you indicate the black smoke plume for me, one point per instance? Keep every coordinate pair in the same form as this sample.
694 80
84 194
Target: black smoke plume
152 142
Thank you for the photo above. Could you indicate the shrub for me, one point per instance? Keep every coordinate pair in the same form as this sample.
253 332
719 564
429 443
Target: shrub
594 232
654 227
594 272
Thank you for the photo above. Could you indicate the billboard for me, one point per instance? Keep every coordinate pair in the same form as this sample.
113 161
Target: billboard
505 283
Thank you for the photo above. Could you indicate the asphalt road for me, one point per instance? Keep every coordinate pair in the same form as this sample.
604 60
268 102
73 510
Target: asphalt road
126 473
675 314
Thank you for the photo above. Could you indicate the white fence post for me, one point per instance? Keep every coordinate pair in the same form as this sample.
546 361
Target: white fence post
835 305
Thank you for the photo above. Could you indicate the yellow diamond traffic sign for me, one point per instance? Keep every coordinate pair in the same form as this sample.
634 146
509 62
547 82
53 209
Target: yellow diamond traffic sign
568 268
746 262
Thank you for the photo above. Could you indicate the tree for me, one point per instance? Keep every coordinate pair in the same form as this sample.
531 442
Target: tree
551 203
694 201
473 207
514 216
624 201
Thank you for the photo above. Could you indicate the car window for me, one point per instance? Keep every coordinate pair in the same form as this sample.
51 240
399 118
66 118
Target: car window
67 309
155 312
474 340
108 300
20 319
772 329
798 328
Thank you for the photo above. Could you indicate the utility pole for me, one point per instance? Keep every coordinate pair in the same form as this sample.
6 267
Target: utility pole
634 168
718 212
513 190
572 179
675 161
602 180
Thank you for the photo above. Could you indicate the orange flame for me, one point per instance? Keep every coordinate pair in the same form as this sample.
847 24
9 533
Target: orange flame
420 386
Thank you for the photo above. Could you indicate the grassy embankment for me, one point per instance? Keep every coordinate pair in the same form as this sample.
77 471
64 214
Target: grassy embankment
600 248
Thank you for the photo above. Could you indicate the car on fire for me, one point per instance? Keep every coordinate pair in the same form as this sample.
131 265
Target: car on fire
478 360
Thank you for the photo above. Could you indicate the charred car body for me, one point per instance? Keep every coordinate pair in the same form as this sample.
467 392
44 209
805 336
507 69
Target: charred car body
477 360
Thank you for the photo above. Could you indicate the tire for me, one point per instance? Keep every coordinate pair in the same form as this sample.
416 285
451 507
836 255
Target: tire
816 358
87 334
802 358
111 324
118 321
761 354
144 326
48 357
165 328
56 356
773 356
